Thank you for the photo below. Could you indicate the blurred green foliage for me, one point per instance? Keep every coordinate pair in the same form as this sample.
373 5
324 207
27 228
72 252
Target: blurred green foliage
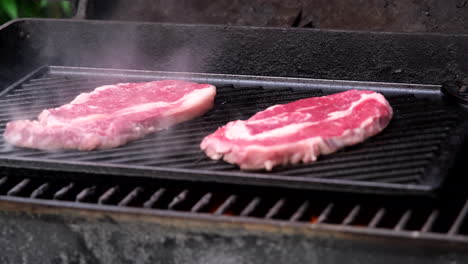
11 9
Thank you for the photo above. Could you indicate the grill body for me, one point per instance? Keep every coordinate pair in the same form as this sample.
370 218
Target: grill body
89 219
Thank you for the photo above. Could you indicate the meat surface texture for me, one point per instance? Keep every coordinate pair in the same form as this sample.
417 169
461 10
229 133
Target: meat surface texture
113 115
300 131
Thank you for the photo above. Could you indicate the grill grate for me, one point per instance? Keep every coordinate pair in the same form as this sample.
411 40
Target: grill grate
431 217
411 155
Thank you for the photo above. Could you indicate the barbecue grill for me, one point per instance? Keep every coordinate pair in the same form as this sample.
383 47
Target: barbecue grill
399 196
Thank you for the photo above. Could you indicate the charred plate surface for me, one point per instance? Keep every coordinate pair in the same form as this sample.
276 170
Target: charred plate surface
411 156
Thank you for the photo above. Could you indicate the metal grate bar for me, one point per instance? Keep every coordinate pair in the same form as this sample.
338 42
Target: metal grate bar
42 99
393 172
119 157
250 207
178 199
459 220
417 131
154 198
19 187
377 217
46 79
131 196
168 158
40 191
340 161
398 140
405 179
299 212
390 147
60 194
244 94
325 213
3 180
403 220
352 215
427 227
85 194
107 195
421 115
275 209
37 93
202 202
364 159
225 205
356 168
63 82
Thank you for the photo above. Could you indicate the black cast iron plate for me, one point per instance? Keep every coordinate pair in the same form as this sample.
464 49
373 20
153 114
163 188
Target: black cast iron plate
411 156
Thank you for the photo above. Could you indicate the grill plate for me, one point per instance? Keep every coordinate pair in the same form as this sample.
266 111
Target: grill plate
412 155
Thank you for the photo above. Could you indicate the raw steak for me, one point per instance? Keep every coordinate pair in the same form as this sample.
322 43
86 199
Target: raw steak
300 131
112 115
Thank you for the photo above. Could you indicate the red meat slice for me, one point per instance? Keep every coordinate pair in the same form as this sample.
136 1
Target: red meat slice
112 115
300 131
